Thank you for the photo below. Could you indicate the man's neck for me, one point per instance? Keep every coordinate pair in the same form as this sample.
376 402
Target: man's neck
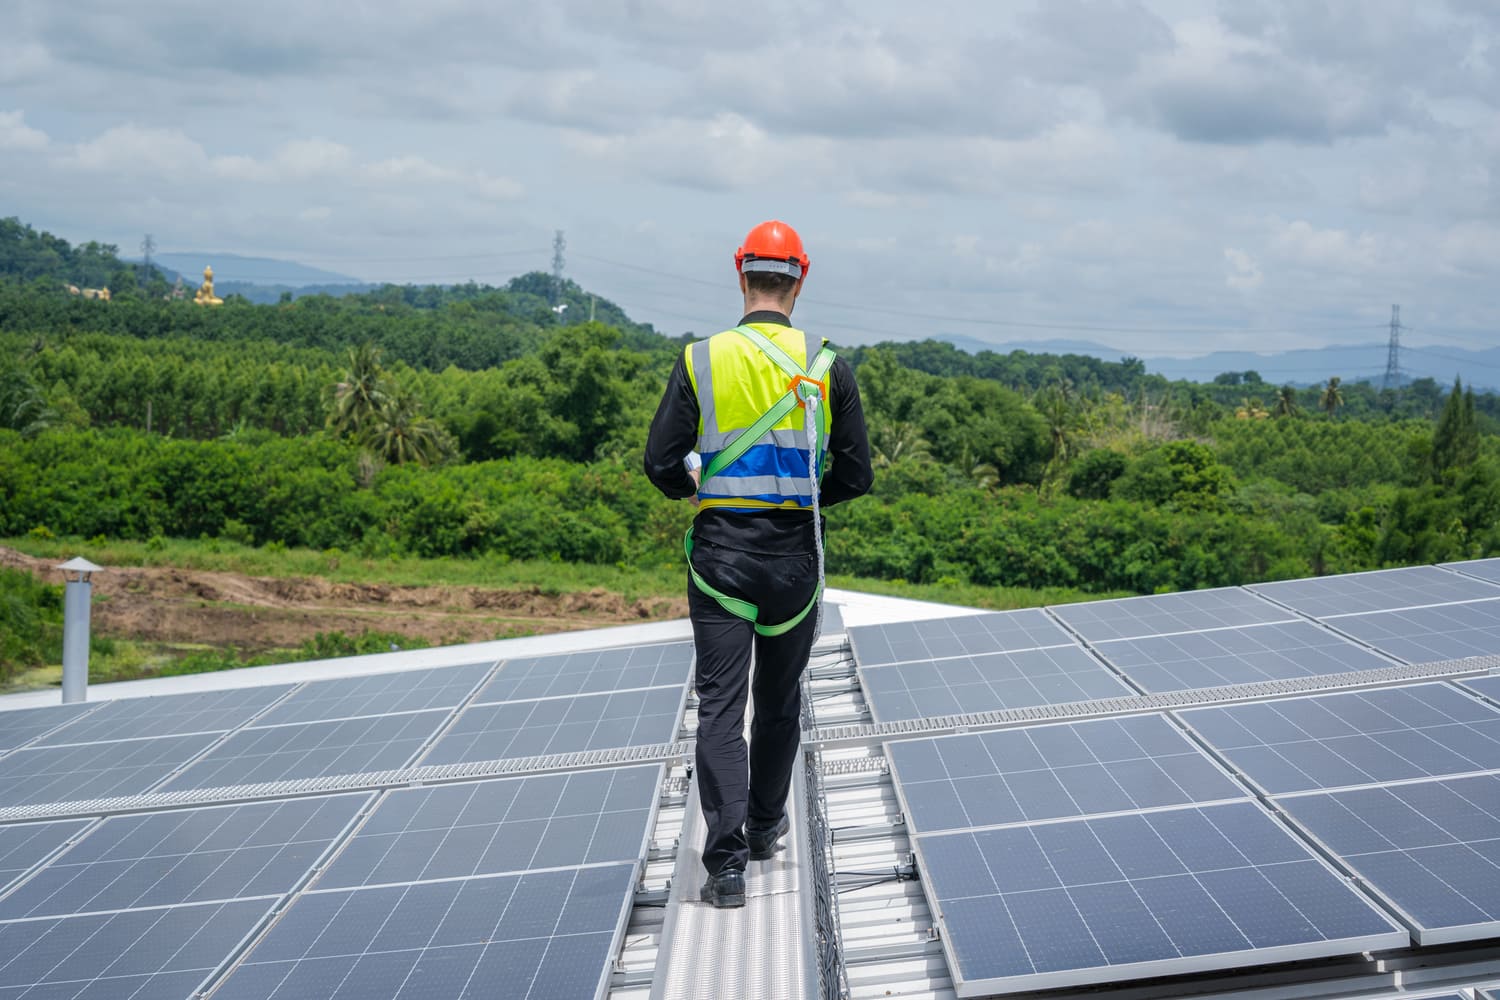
767 303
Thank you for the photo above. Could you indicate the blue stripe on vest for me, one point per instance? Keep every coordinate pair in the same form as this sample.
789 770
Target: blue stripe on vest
765 460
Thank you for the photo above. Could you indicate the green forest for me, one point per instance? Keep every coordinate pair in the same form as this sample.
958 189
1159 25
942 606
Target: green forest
464 421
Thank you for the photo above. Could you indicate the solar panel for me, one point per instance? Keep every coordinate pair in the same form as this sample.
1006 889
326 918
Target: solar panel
167 715
24 844
259 850
312 750
1485 569
1431 849
988 682
1426 635
1489 686
94 770
1241 655
378 694
163 954
561 725
1378 590
510 825
1354 738
963 635
589 672
27 724
1163 614
1155 893
538 935
1053 771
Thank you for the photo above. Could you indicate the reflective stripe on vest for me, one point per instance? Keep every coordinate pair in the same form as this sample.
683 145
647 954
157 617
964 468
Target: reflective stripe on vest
735 384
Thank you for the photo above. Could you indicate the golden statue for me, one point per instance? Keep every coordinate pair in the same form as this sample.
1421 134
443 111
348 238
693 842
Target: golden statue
205 295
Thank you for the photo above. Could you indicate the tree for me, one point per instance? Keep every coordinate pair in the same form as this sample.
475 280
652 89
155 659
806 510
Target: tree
1332 397
1286 402
1251 409
1455 442
398 433
23 408
362 393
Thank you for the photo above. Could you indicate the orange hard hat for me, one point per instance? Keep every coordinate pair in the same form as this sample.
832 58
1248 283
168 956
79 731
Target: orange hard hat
772 246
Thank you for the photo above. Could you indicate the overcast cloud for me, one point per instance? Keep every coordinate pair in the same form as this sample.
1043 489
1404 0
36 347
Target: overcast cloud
1163 177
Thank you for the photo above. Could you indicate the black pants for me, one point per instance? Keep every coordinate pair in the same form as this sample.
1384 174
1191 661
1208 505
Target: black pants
731 789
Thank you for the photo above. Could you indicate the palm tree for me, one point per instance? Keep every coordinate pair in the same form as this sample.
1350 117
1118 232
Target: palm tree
1286 402
1055 404
362 393
895 440
22 406
398 433
1332 398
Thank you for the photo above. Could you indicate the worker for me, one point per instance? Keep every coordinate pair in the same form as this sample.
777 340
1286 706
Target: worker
775 417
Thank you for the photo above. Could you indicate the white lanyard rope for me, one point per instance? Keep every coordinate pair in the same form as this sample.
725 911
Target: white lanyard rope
810 408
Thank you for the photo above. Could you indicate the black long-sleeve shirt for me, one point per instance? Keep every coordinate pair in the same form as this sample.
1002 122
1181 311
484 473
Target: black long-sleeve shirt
674 433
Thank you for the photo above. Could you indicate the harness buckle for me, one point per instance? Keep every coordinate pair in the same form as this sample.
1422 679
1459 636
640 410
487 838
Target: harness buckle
805 388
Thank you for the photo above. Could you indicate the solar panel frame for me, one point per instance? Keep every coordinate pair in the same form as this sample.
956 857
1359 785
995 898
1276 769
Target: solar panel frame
1243 654
26 846
473 734
1168 614
1346 724
169 715
437 842
23 725
1379 819
379 695
1483 569
137 766
982 794
958 916
1429 634
1375 590
988 682
1487 688
588 672
960 635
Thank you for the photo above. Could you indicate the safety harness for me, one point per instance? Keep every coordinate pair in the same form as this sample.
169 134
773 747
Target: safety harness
808 389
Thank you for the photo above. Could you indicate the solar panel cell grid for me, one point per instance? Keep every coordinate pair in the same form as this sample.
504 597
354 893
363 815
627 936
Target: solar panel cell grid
1053 771
27 724
1431 848
312 750
963 635
491 827
378 694
561 725
94 770
1380 590
1427 635
1180 890
589 672
1236 656
1485 569
988 682
167 715
186 856
1354 738
1162 614
23 845
1488 687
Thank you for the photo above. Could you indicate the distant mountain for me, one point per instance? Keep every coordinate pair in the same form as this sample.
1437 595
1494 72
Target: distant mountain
229 267
1352 363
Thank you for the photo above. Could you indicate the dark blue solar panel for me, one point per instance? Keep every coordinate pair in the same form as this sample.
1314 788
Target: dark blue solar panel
1157 893
167 715
590 672
561 725
1379 590
1163 614
94 770
1432 848
1485 569
1489 686
163 954
378 694
1354 738
962 635
24 844
541 935
27 724
1052 771
510 825
186 856
1241 655
312 750
988 682
1426 635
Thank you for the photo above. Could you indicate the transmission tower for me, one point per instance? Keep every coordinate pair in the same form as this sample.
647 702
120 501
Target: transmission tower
1393 353
559 244
148 247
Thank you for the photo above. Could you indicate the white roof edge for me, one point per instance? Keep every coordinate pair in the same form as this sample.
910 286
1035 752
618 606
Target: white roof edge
856 608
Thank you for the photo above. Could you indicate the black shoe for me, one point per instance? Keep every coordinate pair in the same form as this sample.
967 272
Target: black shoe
724 890
763 842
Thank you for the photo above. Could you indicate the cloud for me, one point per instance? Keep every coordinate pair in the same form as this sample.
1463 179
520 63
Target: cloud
134 150
1243 273
1334 250
23 61
16 134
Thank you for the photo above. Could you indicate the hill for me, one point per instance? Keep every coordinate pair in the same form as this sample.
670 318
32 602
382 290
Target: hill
234 268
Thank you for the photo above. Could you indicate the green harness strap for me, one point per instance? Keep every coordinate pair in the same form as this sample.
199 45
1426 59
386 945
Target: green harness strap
743 443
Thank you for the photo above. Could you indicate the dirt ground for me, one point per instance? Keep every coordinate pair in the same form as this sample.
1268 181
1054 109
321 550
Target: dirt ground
159 604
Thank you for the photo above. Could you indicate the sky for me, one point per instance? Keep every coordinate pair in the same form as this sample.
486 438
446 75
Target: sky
1172 177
